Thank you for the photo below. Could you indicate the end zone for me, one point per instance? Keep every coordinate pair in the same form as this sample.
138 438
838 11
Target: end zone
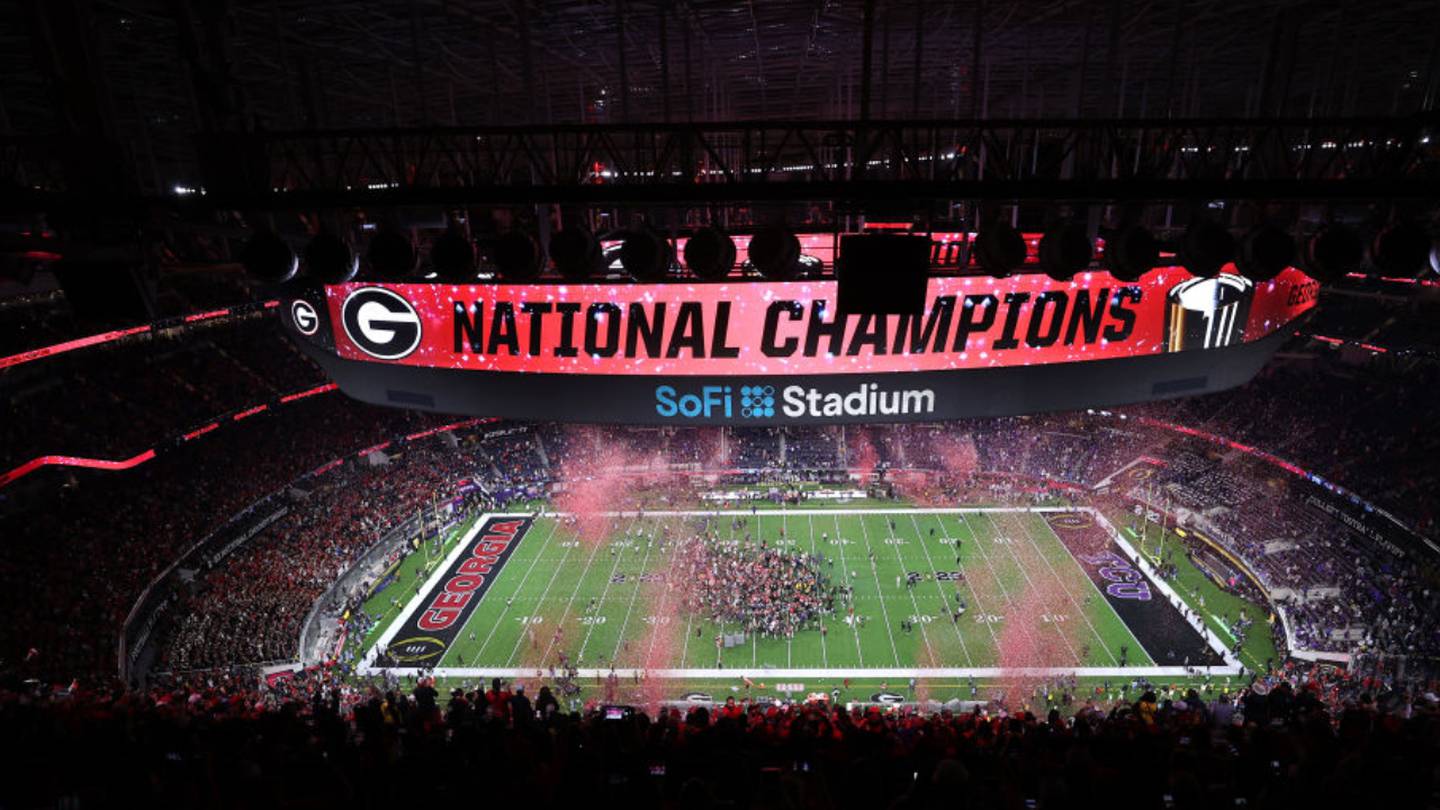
432 619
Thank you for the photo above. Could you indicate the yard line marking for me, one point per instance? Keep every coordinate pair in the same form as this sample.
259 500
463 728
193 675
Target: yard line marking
875 572
944 600
560 623
603 594
929 650
755 637
564 614
663 610
975 594
790 637
620 641
720 648
539 604
824 655
689 618
854 626
1083 614
1024 572
539 553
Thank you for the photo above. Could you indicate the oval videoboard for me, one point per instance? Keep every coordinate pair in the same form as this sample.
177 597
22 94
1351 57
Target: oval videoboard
756 353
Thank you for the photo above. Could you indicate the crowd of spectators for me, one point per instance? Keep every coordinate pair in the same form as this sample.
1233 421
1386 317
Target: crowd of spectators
1365 426
1340 592
1295 739
75 564
251 607
114 400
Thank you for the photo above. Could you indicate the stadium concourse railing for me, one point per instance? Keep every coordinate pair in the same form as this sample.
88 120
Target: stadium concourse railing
1184 523
369 574
211 316
158 595
1373 523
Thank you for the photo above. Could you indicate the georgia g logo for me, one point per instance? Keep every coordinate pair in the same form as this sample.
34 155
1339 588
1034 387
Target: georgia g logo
304 317
380 323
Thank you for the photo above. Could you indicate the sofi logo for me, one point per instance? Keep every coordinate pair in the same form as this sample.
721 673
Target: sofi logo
795 401
712 400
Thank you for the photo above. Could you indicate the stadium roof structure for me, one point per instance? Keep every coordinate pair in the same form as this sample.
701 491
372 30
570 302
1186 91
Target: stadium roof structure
286 65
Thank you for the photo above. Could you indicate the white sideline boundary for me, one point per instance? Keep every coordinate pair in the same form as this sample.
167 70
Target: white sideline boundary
827 674
1232 666
367 663
1164 587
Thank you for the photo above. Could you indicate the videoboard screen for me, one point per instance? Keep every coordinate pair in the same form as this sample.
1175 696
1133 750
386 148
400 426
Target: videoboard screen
791 328
651 345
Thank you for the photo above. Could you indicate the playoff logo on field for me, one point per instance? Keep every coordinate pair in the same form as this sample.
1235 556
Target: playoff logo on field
380 323
416 649
1070 520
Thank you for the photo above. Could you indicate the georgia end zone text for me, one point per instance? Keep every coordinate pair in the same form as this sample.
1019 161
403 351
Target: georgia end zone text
450 596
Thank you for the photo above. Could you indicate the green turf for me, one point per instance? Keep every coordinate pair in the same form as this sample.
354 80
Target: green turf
1219 608
551 578
389 602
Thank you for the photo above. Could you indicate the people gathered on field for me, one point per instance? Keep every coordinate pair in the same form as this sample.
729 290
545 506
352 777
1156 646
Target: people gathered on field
755 586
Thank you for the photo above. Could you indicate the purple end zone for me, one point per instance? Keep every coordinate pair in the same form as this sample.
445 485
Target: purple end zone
1154 621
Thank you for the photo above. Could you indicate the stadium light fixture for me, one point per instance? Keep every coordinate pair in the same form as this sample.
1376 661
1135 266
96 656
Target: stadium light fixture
575 253
517 256
710 253
1265 252
1132 253
646 255
391 254
453 256
1333 251
999 249
1206 247
269 258
1400 249
329 259
775 252
1065 250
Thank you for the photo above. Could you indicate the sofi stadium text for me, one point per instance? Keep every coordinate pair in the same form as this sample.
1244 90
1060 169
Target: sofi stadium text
758 401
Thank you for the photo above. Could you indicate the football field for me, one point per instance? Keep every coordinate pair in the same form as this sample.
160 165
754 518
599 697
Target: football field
1044 591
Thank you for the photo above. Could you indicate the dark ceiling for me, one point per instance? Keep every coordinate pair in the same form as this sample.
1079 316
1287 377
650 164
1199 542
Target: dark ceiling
168 68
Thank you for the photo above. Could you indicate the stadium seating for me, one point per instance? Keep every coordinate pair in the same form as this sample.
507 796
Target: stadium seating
125 529
1328 740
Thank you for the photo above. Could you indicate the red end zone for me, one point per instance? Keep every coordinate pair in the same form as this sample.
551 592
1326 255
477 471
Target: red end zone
427 633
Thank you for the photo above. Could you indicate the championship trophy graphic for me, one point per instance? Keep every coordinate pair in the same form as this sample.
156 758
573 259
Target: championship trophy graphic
1206 313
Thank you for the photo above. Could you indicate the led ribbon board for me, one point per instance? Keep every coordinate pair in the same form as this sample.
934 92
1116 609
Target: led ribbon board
775 352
